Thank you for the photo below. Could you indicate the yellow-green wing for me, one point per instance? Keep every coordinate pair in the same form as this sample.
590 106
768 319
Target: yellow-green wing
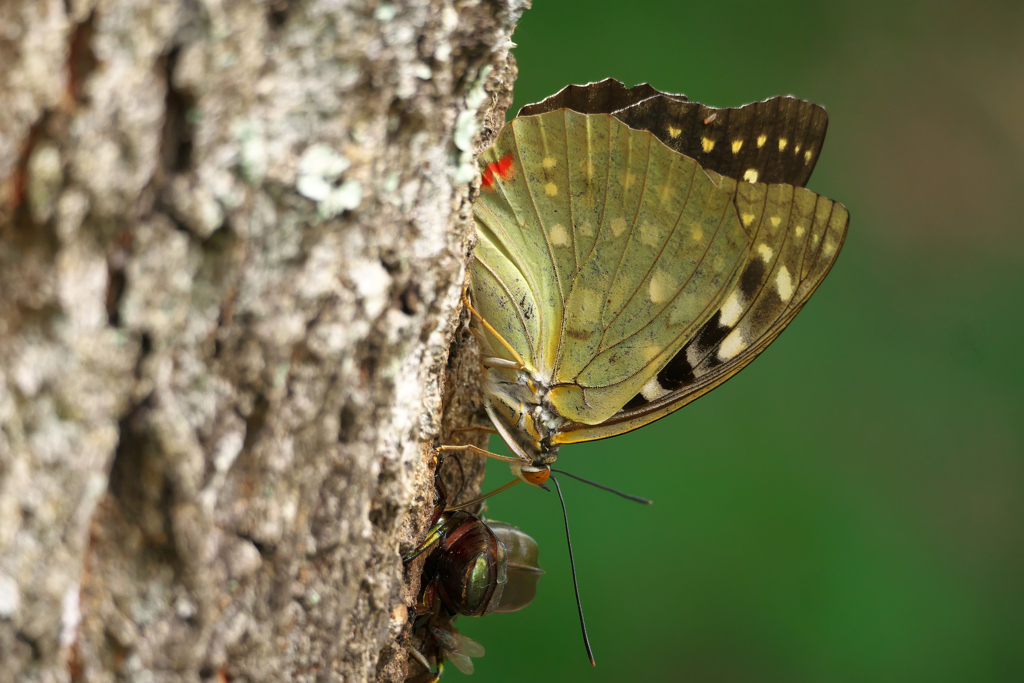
601 253
799 237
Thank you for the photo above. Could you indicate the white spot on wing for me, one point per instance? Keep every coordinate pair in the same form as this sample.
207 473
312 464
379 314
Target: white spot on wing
784 283
732 345
732 309
751 175
653 390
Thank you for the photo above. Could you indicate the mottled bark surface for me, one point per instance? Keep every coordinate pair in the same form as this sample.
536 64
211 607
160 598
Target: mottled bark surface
233 237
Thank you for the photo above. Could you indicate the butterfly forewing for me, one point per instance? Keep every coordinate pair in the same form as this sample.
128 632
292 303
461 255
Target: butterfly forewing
775 141
603 97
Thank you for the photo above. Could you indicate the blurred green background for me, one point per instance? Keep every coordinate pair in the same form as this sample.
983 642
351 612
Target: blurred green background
851 506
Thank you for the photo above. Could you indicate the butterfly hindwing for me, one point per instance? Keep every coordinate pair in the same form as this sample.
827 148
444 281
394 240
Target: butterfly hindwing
635 267
771 289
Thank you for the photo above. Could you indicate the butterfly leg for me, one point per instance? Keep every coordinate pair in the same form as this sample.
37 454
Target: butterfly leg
479 451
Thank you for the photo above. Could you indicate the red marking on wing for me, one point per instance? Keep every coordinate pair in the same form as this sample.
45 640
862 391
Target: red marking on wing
503 168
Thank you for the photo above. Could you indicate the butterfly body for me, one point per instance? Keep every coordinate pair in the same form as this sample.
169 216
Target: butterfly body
629 259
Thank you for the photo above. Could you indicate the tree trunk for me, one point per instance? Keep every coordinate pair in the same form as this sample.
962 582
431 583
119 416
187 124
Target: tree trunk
233 236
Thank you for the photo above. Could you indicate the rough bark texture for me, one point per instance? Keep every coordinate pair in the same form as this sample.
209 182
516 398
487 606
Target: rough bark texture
233 236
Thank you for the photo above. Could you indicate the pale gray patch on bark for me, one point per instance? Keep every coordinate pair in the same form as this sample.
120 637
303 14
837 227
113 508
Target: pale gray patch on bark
233 239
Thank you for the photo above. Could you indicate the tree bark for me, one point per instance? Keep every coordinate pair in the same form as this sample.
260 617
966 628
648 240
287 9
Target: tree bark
233 237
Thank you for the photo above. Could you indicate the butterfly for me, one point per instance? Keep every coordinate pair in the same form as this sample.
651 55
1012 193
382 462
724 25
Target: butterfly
636 250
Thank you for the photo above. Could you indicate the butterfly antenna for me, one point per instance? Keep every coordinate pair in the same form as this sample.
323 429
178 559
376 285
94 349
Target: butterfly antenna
575 583
638 499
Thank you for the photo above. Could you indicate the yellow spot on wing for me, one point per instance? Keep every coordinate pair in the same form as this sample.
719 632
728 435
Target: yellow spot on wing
736 145
796 149
549 162
697 234
674 132
782 143
590 304
649 234
618 225
551 189
662 287
629 179
747 219
807 157
751 175
585 229
765 252
761 139
707 143
559 236
775 222
784 283
799 231
664 192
